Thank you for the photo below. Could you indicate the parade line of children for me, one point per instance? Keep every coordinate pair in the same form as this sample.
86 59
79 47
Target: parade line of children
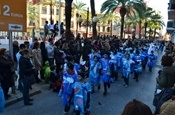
79 81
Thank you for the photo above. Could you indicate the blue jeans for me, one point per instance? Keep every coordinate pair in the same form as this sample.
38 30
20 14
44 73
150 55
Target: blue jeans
51 61
24 88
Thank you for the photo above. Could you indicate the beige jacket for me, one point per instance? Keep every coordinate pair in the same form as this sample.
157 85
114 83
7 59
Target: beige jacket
37 58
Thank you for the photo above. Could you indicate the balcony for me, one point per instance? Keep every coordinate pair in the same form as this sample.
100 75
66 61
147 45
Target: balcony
171 14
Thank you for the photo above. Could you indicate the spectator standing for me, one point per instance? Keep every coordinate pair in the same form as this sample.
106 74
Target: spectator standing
46 30
51 28
26 69
50 51
37 59
6 64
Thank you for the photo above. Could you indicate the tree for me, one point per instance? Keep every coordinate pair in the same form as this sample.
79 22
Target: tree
94 24
80 8
125 6
145 15
111 17
68 12
32 13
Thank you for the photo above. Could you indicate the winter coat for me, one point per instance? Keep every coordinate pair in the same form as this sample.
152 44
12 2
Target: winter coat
168 108
166 78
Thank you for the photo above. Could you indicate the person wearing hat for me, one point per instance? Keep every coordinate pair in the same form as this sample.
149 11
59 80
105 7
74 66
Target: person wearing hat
82 95
66 91
6 64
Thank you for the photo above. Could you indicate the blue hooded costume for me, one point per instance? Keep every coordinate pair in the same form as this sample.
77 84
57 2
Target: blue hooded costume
82 97
94 72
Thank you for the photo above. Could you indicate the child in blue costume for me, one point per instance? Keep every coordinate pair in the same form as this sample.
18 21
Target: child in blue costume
82 95
105 73
126 69
94 73
138 65
144 57
2 100
120 55
113 65
66 91
151 61
93 53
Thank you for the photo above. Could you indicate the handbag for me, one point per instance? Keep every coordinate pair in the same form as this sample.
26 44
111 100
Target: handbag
2 100
31 79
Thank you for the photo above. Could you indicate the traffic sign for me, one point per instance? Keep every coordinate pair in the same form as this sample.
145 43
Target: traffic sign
13 15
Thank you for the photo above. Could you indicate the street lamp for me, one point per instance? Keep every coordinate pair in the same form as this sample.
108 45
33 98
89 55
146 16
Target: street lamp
33 31
124 32
95 19
133 33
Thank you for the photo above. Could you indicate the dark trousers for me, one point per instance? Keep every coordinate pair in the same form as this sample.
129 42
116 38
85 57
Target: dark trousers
126 80
25 89
51 61
106 85
136 76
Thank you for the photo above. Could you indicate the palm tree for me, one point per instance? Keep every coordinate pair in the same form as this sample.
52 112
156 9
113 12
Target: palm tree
68 12
111 17
145 15
94 24
51 3
126 6
80 8
32 13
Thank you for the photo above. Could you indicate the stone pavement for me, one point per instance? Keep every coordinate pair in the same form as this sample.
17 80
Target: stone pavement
36 89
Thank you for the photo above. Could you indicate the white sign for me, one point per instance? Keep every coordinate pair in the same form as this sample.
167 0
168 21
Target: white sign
15 27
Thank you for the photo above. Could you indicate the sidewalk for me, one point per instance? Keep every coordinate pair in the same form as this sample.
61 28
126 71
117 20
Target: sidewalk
36 89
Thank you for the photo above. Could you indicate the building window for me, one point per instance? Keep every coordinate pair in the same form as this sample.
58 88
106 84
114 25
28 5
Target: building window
57 12
30 23
103 28
108 29
99 28
43 22
44 10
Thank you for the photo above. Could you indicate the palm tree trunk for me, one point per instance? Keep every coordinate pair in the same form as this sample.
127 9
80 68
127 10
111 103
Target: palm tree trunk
140 28
155 33
68 10
111 28
94 24
50 11
122 27
146 24
122 14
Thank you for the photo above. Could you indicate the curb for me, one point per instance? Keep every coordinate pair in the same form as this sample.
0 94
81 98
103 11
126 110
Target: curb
19 98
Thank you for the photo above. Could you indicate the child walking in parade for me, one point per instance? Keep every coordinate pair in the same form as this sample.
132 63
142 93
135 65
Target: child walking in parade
137 65
82 95
151 61
126 69
66 91
113 65
106 75
94 73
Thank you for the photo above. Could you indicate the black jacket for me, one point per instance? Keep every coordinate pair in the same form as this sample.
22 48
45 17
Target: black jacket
25 67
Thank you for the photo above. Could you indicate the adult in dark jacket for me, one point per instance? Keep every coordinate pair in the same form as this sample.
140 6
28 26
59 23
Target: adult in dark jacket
6 64
58 53
26 69
166 78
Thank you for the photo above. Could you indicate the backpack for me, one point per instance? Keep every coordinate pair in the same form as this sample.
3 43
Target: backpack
161 97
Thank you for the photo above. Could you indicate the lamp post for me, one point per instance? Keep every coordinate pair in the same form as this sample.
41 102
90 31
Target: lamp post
133 33
124 32
87 21
33 32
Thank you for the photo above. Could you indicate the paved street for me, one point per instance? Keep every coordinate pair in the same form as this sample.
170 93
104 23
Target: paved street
48 103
